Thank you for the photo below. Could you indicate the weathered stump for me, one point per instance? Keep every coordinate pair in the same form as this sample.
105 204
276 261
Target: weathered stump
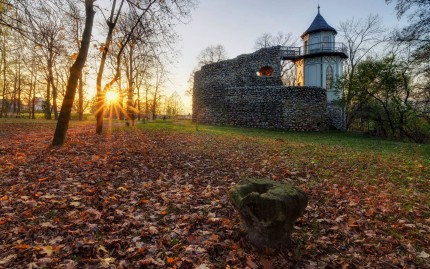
268 210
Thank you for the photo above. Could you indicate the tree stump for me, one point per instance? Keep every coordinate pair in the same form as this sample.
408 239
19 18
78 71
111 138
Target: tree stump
268 210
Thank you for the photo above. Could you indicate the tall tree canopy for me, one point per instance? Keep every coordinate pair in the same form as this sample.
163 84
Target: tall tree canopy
418 14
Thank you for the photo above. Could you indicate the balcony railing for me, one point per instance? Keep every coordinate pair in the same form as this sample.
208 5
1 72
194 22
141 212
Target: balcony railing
295 52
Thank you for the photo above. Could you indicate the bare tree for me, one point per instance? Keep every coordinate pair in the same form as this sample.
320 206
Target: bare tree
111 23
416 35
46 29
74 29
211 54
75 74
419 18
141 65
155 88
267 40
361 36
174 105
4 47
157 16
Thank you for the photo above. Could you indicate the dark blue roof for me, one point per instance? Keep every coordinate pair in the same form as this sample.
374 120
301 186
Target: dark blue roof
319 24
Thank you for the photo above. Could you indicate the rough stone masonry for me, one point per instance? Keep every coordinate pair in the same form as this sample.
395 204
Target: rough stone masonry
248 91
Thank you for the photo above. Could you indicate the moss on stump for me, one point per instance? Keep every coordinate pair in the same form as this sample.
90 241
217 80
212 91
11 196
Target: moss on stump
268 210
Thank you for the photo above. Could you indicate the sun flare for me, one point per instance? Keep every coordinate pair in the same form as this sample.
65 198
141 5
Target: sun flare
111 97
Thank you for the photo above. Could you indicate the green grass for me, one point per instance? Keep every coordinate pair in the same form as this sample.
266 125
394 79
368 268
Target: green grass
344 140
334 141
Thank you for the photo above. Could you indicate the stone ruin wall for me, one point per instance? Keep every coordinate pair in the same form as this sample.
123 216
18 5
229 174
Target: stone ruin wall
230 93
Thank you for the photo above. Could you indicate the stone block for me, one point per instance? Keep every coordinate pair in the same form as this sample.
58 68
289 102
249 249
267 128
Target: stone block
268 210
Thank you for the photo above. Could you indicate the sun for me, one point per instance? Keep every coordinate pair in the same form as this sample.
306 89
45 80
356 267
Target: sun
111 97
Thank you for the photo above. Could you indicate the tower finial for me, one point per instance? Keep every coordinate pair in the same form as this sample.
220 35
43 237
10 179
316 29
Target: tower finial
318 7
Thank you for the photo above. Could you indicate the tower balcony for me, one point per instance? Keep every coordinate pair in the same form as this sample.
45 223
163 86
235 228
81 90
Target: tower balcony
312 50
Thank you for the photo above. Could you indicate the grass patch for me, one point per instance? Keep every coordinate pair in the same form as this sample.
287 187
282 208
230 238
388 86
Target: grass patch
332 139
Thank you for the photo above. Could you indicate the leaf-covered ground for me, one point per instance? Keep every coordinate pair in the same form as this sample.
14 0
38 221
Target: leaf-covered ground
147 197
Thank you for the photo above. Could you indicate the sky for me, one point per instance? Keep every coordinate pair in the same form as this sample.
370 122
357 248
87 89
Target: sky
236 24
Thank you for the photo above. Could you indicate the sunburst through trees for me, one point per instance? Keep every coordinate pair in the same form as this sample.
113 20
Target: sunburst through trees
113 107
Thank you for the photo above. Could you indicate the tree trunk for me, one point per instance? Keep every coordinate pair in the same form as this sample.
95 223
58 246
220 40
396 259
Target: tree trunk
130 86
81 99
5 103
146 104
51 81
18 99
54 100
121 115
100 93
33 104
30 94
48 101
138 103
154 104
75 74
15 89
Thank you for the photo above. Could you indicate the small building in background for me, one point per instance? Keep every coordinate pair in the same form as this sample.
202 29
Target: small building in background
320 60
248 90
39 104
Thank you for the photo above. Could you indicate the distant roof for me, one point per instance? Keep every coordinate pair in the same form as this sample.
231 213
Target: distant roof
319 24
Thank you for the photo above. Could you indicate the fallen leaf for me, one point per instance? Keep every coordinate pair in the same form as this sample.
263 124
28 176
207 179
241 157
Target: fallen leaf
48 250
202 266
22 246
102 249
423 255
7 259
76 204
153 230
105 262
47 225
250 263
267 264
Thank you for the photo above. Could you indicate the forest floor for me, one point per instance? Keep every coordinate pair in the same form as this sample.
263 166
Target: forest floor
156 196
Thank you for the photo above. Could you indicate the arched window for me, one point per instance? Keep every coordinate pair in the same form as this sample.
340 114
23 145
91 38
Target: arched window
329 77
265 71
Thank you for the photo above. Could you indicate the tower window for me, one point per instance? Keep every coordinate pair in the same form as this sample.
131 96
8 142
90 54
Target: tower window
265 71
329 77
326 43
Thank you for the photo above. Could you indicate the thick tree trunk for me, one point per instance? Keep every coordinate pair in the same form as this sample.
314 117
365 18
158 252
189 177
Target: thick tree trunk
75 74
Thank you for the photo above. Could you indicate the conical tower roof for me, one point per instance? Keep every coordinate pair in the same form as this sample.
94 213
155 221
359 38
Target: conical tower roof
319 24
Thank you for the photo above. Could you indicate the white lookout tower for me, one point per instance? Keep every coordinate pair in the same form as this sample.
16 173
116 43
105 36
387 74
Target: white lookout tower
320 60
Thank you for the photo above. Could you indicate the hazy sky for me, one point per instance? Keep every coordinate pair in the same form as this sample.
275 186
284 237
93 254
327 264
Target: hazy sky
236 24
